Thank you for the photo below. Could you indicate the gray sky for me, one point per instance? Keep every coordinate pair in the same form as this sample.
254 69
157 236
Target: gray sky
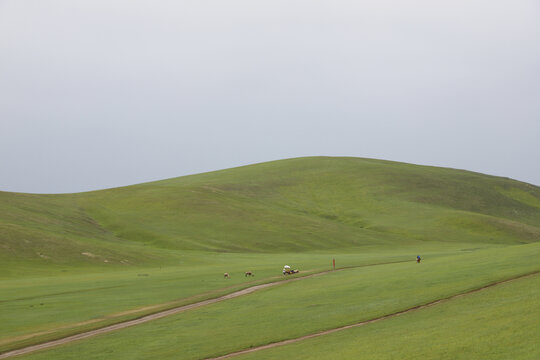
104 93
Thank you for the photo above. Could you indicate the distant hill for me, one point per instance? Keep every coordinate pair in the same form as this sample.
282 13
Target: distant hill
302 204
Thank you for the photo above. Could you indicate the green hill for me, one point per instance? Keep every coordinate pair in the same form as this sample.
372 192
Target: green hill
294 205
76 262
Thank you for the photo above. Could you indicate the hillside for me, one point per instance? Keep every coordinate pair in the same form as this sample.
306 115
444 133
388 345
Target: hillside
294 205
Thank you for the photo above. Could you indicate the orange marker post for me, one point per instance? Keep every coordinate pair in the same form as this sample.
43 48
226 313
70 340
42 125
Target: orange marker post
334 263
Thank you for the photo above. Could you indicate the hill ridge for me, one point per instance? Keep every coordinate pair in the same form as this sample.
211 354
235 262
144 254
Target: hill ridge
300 204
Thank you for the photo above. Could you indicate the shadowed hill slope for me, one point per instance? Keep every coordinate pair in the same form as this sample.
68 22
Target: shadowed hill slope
302 204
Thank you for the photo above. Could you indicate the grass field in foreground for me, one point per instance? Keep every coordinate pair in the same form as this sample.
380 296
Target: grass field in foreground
30 306
305 307
499 323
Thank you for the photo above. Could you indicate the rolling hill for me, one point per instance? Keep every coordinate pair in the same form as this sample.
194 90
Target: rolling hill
294 205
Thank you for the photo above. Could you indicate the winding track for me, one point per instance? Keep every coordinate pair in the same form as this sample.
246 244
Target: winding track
330 331
165 313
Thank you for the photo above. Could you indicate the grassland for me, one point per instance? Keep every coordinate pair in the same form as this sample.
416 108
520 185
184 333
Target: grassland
498 323
308 306
73 262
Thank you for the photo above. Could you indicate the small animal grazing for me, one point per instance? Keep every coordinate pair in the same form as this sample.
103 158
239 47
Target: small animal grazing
226 275
249 273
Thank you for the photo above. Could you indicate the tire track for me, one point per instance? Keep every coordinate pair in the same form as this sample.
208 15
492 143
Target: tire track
173 311
366 322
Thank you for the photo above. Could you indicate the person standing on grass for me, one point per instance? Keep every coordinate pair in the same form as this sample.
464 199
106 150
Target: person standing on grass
418 259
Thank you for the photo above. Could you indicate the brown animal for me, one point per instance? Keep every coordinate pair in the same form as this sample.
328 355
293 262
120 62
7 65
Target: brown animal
226 275
249 273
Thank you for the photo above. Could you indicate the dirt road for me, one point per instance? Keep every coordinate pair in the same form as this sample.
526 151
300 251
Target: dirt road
330 331
158 315
165 313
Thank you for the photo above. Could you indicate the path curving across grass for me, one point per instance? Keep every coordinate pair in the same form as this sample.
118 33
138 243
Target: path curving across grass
173 311
301 308
362 323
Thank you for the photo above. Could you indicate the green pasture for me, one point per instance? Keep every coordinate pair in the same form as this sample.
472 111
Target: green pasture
311 305
498 323
30 306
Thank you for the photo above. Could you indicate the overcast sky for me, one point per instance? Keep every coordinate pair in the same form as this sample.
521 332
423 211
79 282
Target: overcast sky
104 93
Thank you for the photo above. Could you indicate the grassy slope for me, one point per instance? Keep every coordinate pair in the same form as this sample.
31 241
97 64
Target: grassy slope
320 203
42 233
301 204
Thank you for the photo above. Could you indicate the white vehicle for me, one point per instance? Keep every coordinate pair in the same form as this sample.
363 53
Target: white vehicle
288 271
